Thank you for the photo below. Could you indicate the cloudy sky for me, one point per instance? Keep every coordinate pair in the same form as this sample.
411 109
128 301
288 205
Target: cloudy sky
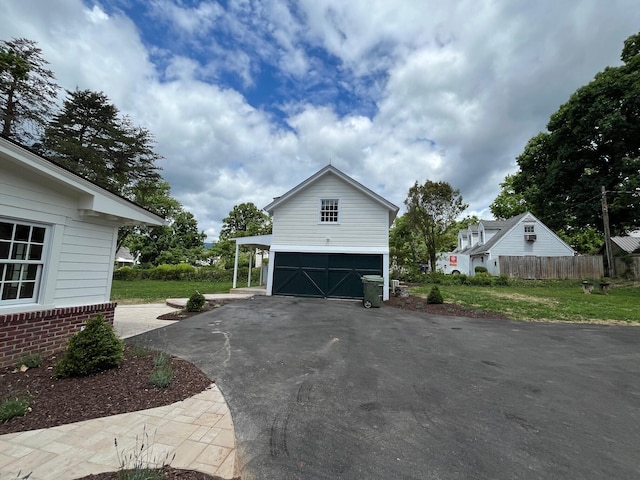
247 98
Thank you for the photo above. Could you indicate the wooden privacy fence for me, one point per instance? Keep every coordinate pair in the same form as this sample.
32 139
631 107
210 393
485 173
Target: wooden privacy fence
543 268
627 267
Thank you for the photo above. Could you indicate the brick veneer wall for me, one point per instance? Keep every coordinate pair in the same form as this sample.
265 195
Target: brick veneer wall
44 331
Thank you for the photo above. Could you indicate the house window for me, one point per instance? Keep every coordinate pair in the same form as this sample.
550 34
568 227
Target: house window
329 210
529 229
22 249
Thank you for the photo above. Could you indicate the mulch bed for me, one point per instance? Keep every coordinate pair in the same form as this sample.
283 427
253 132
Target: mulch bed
119 390
168 473
416 303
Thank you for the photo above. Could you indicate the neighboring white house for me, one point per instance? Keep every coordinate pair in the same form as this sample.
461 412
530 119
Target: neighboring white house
328 231
58 236
522 235
124 258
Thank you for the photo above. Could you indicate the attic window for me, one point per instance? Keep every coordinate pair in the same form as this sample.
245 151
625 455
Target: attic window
21 261
329 210
529 229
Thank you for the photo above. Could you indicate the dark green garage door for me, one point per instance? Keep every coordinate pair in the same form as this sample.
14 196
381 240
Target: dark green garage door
323 275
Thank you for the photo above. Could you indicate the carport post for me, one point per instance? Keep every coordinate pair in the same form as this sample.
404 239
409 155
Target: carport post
250 258
235 266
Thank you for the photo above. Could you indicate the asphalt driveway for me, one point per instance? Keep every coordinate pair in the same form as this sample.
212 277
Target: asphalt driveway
323 389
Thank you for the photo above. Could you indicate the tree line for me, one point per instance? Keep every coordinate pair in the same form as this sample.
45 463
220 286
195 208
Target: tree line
592 141
90 136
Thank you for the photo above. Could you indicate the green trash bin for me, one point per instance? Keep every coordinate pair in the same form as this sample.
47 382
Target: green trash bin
372 286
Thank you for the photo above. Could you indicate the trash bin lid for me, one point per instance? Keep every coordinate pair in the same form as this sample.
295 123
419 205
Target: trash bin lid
372 279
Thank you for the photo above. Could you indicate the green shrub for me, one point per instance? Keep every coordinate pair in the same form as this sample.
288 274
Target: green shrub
30 360
481 280
126 273
161 377
461 279
195 302
434 295
480 269
14 407
501 280
92 350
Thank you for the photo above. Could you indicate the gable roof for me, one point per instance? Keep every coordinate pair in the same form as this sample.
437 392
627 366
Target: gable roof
331 170
94 200
503 227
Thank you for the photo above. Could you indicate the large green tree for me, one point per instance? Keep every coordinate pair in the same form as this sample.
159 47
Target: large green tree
178 242
593 140
508 203
243 220
90 137
432 209
27 90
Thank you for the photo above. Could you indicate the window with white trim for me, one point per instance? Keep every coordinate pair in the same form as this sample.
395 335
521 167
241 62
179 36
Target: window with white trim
529 229
329 210
22 250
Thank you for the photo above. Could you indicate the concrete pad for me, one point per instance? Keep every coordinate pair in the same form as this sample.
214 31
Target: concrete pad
130 320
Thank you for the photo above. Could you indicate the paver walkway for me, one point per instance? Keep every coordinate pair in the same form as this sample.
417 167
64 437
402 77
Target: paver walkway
198 430
195 434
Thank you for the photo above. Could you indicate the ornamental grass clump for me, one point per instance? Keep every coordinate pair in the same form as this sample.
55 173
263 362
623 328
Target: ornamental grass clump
92 350
14 407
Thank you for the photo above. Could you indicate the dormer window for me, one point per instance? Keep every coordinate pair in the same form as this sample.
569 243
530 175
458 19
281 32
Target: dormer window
329 212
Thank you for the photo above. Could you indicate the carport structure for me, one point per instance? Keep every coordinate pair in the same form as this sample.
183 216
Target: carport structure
259 242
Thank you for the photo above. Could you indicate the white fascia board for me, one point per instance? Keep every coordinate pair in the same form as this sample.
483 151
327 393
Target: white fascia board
262 240
93 197
329 249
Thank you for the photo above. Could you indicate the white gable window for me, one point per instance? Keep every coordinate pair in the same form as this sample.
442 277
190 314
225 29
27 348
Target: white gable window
22 249
529 229
329 212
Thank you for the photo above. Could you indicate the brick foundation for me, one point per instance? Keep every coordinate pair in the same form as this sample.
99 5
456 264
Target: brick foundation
44 331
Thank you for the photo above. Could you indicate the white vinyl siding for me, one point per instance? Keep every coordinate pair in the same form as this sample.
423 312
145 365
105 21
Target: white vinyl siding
363 222
79 250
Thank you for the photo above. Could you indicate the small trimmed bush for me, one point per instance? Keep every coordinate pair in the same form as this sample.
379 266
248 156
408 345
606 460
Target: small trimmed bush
435 296
195 302
480 269
94 349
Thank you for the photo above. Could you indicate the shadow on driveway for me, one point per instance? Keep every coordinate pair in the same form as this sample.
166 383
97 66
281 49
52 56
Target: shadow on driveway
323 389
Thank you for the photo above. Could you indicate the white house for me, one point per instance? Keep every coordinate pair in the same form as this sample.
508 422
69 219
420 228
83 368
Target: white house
328 231
58 236
522 235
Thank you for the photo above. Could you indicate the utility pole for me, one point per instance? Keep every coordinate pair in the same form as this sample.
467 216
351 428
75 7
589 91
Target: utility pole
607 233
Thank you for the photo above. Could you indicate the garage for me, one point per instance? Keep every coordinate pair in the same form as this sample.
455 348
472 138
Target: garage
334 275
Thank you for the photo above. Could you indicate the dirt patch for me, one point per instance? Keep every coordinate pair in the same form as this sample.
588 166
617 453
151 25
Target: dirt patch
522 298
416 303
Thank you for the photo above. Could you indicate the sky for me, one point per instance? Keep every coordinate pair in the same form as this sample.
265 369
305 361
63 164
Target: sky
246 98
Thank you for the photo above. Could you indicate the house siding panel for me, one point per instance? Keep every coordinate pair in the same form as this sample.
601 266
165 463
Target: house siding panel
362 221
77 249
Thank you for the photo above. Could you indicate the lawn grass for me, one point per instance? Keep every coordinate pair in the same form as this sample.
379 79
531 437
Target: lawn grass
550 301
157 291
